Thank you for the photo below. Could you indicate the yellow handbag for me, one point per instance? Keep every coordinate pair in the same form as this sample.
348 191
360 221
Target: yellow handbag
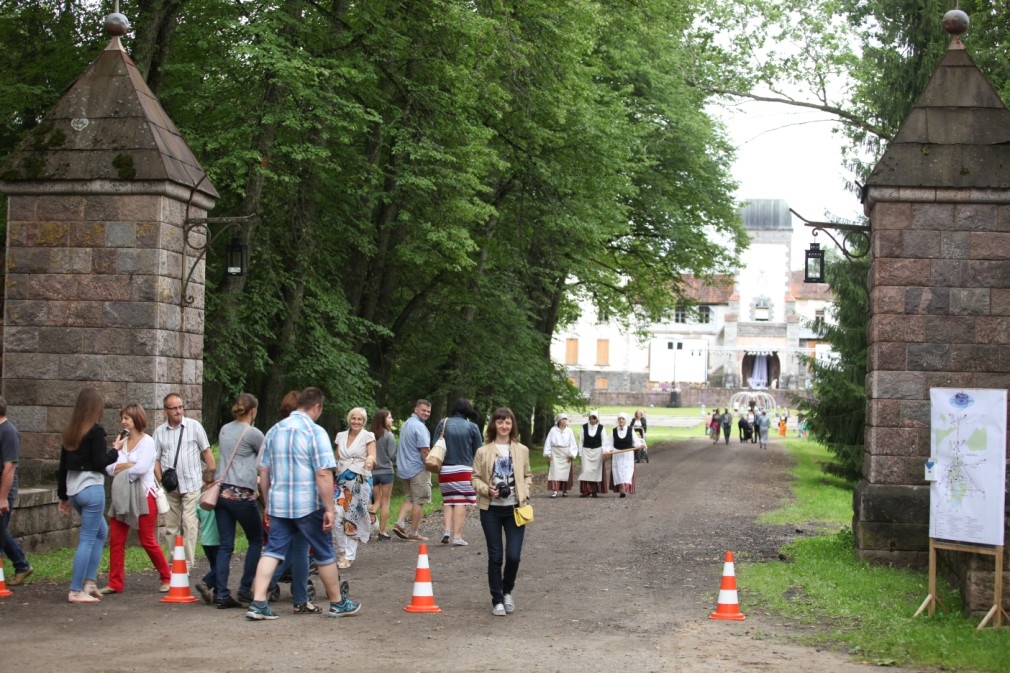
523 515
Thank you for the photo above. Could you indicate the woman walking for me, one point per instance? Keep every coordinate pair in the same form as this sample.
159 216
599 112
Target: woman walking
593 479
136 456
560 448
462 439
622 445
353 490
502 479
83 458
382 473
237 470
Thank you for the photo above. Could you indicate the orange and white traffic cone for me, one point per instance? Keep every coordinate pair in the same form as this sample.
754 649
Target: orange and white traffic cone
4 591
728 606
423 599
178 588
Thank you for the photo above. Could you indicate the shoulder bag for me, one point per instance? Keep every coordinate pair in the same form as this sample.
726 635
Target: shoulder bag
161 498
433 463
523 515
208 499
169 478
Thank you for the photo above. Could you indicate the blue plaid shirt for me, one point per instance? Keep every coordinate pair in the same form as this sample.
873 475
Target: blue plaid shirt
294 450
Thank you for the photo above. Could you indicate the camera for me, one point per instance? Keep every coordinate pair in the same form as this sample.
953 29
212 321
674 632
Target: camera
503 488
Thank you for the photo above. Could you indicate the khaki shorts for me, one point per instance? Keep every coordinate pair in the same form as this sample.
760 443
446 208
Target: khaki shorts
417 489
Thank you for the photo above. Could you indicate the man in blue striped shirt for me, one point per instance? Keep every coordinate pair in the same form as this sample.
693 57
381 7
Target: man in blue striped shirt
296 479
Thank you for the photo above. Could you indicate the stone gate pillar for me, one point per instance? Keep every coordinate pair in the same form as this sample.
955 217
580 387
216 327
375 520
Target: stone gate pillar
939 282
98 194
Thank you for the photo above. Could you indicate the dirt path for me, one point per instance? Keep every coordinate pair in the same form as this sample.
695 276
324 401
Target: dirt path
606 584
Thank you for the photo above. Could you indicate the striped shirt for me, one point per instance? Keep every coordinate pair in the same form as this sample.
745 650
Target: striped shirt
293 451
194 442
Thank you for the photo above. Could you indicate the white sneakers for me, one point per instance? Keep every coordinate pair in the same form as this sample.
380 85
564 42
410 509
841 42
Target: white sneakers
509 604
498 610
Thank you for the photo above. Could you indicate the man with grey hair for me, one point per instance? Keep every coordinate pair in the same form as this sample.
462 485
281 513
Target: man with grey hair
182 444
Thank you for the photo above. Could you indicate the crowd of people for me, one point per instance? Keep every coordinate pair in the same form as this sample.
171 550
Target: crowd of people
302 499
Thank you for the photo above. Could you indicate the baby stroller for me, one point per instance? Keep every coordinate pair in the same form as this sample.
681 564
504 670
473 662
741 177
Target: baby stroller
641 453
310 589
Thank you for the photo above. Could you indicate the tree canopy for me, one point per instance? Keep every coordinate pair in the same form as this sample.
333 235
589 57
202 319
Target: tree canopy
439 185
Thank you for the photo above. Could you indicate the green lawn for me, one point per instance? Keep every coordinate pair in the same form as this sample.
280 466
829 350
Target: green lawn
865 608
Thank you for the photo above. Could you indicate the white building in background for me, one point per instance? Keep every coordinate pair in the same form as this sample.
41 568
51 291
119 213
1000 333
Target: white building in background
747 331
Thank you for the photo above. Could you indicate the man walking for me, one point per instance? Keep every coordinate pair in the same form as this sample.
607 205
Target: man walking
296 479
415 441
10 450
182 444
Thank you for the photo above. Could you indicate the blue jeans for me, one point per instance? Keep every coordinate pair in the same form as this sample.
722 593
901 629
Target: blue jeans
298 561
247 515
495 520
11 548
90 504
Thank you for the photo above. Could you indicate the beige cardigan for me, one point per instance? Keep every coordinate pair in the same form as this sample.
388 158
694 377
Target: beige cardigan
483 466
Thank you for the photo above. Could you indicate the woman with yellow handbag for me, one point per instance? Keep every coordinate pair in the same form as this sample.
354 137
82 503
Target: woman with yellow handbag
502 479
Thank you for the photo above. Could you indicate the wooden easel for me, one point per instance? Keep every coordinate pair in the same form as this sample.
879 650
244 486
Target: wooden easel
932 600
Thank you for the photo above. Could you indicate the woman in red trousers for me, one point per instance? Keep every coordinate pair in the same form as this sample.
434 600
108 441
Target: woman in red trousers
136 454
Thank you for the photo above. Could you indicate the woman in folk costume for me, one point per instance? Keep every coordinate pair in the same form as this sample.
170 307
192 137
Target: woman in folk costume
561 448
593 479
352 495
623 460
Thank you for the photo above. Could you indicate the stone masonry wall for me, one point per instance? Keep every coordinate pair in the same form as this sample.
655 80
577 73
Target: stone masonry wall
93 284
940 317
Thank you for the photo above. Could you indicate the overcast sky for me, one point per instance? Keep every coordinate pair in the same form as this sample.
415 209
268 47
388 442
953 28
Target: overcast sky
789 153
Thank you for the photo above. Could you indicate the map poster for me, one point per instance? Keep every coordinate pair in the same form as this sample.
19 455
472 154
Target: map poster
968 444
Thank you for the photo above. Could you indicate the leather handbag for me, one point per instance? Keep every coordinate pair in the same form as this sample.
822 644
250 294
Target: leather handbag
208 499
523 515
436 456
161 499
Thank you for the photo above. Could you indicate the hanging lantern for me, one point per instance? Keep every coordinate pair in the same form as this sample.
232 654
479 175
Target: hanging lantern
813 270
237 257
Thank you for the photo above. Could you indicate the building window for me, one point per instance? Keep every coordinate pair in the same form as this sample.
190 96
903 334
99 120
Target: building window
602 316
704 314
762 309
819 318
602 352
680 315
601 383
572 352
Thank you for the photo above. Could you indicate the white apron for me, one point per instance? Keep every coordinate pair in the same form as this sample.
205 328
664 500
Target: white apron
592 464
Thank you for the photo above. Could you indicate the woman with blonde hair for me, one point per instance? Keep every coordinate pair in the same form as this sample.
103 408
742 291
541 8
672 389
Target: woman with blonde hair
502 479
355 453
136 456
84 455
239 444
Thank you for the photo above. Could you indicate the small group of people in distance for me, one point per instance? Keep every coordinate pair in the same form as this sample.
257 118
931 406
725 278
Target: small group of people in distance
622 447
752 424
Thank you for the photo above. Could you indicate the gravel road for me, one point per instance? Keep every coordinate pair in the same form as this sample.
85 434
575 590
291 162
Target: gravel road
606 584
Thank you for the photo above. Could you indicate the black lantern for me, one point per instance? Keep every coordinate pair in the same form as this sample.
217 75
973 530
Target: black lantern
237 257
814 268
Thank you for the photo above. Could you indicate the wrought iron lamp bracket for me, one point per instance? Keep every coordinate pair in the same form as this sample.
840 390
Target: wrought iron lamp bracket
195 225
859 231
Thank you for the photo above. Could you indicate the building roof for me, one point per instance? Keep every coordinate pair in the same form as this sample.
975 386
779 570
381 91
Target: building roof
766 214
714 290
956 135
107 126
803 290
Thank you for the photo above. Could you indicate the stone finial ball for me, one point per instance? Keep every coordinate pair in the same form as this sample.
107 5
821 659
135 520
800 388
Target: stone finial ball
117 24
955 22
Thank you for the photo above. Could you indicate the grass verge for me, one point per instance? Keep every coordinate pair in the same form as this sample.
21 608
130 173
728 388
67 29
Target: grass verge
866 608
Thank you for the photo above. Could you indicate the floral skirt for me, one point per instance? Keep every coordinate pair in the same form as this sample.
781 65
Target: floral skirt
353 498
